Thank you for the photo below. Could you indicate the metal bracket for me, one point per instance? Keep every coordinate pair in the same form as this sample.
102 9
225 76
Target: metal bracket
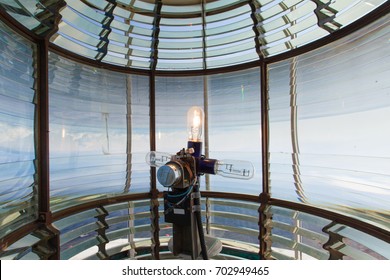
196 208
195 195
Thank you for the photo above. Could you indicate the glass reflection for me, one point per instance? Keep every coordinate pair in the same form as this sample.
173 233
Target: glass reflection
18 189
99 133
328 141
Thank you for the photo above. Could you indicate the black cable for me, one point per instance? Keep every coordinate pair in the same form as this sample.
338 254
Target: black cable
198 214
201 236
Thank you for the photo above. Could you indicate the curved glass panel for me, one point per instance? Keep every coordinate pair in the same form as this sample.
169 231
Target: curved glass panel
235 224
328 134
180 43
234 126
129 228
174 97
24 12
224 32
123 231
114 231
233 120
295 235
18 182
300 236
148 34
21 249
99 132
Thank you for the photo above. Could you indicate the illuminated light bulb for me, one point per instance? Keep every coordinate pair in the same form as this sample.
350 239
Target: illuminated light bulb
157 159
195 117
238 169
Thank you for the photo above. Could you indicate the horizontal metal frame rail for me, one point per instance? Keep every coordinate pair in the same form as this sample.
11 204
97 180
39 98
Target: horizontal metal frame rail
339 218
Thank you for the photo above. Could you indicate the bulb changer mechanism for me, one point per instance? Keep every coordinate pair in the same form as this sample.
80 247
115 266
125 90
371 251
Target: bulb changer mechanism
180 173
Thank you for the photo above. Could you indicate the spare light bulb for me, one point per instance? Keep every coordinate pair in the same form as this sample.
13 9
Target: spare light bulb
157 159
238 169
195 117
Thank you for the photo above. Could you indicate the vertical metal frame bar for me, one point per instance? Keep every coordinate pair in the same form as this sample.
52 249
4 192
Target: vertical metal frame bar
49 245
131 232
101 214
102 46
152 124
264 127
155 35
265 194
43 129
257 30
206 148
154 193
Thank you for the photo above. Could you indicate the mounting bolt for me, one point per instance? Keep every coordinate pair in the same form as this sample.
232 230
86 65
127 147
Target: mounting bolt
42 217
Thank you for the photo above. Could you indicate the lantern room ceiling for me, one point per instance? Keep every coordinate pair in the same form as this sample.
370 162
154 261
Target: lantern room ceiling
184 34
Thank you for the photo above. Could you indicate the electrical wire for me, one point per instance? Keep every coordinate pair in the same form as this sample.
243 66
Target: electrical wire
173 205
